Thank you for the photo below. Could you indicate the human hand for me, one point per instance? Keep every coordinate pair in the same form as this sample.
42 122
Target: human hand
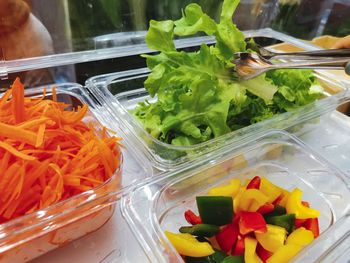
22 35
342 43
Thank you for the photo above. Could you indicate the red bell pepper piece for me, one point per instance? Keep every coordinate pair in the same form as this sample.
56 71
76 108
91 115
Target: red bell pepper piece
312 225
262 252
239 247
254 183
278 199
266 208
305 204
251 221
299 222
192 218
227 237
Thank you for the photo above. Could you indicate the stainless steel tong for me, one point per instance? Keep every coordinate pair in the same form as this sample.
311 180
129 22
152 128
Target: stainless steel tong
249 65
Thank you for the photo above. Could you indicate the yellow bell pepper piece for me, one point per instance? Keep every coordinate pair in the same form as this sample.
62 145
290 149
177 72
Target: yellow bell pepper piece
250 255
269 189
237 199
251 200
273 238
188 245
284 254
285 197
300 236
226 190
294 206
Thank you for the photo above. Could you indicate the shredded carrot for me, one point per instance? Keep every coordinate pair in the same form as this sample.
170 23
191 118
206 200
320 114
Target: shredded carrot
47 153
54 94
18 100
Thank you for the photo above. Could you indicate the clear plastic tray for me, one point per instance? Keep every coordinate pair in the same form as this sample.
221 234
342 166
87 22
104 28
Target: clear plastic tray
122 91
277 155
30 236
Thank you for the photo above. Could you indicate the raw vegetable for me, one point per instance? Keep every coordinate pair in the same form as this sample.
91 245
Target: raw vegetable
295 206
217 257
286 221
233 259
273 238
188 245
198 95
48 154
250 250
268 234
226 190
192 218
215 210
284 254
227 237
300 236
201 230
251 222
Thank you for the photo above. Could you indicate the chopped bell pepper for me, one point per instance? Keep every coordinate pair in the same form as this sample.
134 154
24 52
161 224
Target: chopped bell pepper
284 254
215 210
239 247
300 236
202 230
226 190
237 198
188 245
295 206
282 198
262 252
270 190
273 238
251 200
192 218
286 221
312 225
217 257
227 237
251 221
266 208
233 259
299 222
250 255
277 211
254 183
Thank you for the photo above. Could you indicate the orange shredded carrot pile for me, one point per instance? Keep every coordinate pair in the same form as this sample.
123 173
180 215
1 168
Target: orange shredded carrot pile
47 153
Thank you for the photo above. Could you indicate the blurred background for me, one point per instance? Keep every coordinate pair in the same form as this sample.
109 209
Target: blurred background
57 28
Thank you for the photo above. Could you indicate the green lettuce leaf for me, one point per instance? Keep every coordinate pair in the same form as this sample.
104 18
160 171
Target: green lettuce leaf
160 35
197 96
194 21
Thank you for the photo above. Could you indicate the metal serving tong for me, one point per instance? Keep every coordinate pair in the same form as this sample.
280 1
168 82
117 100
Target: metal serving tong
249 65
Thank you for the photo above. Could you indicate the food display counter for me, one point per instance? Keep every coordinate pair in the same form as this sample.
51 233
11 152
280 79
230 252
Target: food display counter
132 155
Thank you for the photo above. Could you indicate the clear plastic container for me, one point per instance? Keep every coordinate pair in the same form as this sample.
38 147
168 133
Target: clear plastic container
121 92
277 155
29 236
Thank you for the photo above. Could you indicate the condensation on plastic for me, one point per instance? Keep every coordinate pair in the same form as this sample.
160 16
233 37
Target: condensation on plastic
277 155
29 236
165 156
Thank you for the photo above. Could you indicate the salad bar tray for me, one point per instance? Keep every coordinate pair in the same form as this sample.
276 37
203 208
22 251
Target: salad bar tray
115 242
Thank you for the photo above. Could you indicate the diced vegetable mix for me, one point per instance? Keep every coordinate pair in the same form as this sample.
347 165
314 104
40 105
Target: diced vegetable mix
48 154
198 95
255 222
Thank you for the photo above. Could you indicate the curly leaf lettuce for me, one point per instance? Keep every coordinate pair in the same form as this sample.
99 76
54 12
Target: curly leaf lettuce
198 97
